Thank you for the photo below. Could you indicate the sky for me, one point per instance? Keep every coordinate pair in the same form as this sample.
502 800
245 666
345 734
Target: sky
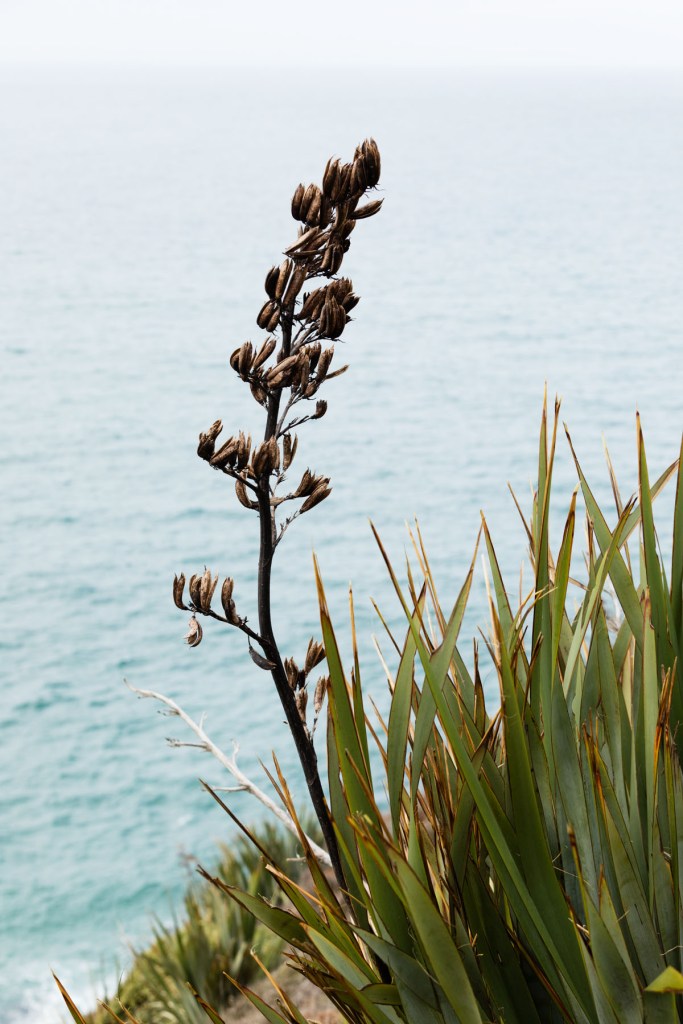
324 33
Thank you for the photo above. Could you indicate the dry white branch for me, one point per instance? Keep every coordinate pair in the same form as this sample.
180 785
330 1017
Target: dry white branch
244 784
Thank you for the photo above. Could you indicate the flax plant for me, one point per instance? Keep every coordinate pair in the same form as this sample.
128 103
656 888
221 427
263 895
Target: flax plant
284 374
528 869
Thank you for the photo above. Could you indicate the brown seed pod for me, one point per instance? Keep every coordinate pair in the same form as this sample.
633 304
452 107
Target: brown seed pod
243 495
195 588
314 655
274 318
259 392
266 314
207 441
178 588
243 450
295 285
266 350
226 595
313 350
207 590
306 485
304 371
318 495
225 455
282 278
296 202
319 695
331 179
235 359
369 210
312 304
259 660
289 447
326 357
246 358
306 240
194 633
271 281
292 672
320 409
281 374
358 183
301 700
372 162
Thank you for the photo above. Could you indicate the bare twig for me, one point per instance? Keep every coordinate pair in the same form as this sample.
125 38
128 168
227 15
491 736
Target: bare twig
244 783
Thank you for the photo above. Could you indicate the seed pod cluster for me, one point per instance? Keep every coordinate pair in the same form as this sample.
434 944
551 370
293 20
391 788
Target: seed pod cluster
233 456
207 441
313 488
266 459
315 653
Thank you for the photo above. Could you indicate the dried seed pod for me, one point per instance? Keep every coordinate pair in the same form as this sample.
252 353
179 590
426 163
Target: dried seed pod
260 460
369 210
313 350
371 161
301 700
207 441
243 450
358 183
304 371
271 281
266 350
289 447
282 278
318 495
314 655
295 285
178 588
296 202
274 318
281 374
245 360
337 373
243 495
320 409
225 455
259 660
194 587
226 595
306 485
312 304
332 319
331 179
347 228
319 695
312 387
326 357
266 315
206 590
235 359
292 672
259 392
312 201
307 240
194 633
350 301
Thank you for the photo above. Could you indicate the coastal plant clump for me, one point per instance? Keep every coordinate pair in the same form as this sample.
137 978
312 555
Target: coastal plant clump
518 862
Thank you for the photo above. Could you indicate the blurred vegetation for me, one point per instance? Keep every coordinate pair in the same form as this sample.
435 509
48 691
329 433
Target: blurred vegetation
210 941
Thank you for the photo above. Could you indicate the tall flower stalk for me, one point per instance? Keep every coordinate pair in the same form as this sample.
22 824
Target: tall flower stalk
285 374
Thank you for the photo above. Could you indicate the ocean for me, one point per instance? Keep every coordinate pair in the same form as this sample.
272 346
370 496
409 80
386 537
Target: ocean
531 234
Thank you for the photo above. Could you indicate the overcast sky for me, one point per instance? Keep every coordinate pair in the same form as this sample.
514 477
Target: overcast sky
451 33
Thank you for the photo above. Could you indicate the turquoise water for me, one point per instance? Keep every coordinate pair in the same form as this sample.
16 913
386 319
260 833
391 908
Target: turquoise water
531 232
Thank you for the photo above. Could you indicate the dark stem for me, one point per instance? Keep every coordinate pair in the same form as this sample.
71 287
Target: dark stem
302 739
